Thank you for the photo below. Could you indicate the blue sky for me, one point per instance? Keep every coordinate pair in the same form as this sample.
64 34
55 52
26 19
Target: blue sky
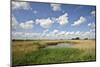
52 20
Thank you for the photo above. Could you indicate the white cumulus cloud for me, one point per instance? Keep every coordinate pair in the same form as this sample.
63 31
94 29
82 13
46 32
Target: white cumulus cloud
63 19
61 33
21 5
92 27
93 13
81 20
55 31
77 33
45 23
35 12
27 24
56 7
44 32
14 23
25 35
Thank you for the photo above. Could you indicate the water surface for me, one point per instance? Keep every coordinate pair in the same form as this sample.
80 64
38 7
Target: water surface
60 45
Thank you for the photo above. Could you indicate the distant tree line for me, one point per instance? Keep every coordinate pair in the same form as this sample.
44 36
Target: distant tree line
77 38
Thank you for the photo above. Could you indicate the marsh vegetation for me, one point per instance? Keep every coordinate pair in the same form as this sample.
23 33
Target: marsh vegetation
36 52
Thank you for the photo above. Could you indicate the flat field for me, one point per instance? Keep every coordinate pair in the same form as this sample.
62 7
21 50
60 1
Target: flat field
35 51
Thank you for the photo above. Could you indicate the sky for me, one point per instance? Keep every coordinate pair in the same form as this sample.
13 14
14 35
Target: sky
37 20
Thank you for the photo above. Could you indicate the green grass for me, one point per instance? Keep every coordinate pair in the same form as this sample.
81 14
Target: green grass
56 55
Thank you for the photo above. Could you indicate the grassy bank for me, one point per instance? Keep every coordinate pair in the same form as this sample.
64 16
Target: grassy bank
57 55
33 52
